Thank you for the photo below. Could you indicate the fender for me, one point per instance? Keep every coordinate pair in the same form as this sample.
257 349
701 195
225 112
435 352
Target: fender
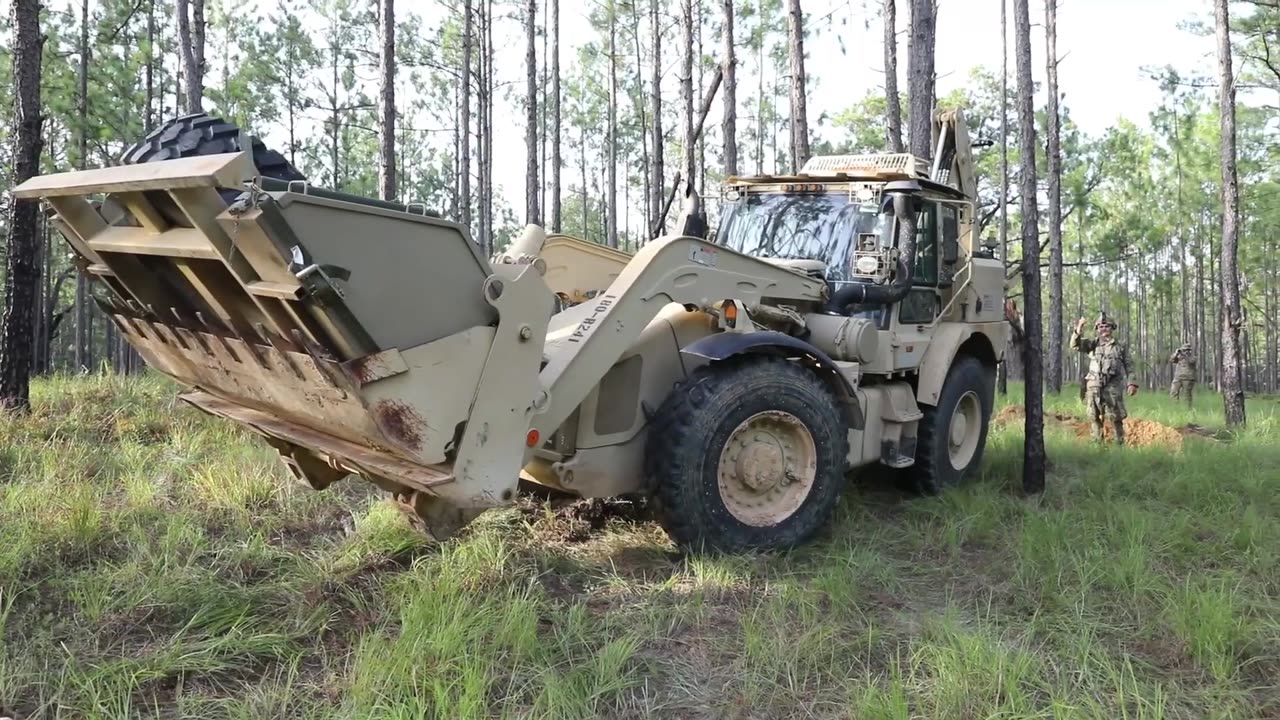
722 346
947 340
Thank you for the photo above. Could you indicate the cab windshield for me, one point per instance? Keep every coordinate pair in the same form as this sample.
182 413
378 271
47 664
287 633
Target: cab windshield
808 226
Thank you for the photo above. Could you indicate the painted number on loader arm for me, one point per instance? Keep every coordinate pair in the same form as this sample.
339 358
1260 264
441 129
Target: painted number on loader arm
587 325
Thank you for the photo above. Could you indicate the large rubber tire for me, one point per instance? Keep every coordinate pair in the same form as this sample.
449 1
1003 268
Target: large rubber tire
202 134
695 424
936 467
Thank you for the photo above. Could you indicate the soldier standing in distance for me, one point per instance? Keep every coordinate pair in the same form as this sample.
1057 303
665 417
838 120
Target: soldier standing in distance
1183 361
1110 373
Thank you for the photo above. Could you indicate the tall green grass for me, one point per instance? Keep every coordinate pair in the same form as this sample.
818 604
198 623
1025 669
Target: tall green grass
156 563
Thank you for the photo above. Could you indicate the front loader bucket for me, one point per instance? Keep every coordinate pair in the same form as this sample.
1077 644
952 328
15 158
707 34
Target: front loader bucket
356 336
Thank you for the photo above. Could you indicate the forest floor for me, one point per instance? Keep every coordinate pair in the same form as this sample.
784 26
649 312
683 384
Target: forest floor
156 563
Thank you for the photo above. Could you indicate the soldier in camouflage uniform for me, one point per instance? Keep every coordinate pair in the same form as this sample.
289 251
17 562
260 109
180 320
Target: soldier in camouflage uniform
1110 373
1184 373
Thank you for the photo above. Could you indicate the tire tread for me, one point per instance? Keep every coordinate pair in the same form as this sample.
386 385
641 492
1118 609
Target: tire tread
928 476
679 427
201 134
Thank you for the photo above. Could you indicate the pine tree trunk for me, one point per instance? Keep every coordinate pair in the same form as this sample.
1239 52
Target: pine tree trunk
387 104
1270 306
760 98
640 99
604 206
1200 314
700 87
1232 318
700 164
40 355
488 127
686 89
39 328
532 188
1080 236
195 83
291 102
1272 313
656 224
1182 231
191 45
611 222
148 117
335 120
182 9
21 264
556 219
1054 364
457 162
179 105
1033 454
1214 295
1003 380
544 203
730 124
920 78
799 101
586 199
484 103
464 136
83 349
892 102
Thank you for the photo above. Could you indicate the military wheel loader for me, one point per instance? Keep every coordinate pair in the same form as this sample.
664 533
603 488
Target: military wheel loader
842 317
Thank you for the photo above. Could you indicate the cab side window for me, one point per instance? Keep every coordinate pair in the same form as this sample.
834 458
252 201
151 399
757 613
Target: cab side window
920 306
950 233
926 270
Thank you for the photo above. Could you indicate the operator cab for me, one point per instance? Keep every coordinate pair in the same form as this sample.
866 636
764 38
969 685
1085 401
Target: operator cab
848 228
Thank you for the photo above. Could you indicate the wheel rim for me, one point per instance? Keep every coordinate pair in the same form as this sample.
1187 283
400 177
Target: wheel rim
767 468
964 430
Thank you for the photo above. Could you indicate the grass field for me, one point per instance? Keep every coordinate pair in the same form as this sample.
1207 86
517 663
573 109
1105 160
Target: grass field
155 563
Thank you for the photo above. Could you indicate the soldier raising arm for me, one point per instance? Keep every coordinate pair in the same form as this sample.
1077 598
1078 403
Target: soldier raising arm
1110 374
1079 343
1184 373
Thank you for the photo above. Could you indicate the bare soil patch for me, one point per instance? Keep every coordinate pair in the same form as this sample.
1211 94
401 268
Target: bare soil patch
1138 432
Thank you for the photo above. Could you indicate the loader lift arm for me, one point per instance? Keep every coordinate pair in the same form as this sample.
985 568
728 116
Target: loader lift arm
684 270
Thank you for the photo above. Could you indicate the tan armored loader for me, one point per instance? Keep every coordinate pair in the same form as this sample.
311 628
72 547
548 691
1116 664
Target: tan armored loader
734 382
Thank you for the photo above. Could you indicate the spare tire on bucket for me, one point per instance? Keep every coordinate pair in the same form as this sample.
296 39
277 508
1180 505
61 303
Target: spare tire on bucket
201 134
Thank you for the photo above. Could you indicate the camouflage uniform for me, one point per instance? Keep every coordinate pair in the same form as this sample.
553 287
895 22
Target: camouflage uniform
1184 373
1109 374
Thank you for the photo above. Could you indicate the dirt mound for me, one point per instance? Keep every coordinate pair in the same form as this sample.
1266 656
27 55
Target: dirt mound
1138 432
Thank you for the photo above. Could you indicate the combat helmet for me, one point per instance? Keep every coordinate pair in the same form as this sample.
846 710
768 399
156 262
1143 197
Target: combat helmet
1104 321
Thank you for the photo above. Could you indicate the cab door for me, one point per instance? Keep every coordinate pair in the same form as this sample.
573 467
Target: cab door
916 312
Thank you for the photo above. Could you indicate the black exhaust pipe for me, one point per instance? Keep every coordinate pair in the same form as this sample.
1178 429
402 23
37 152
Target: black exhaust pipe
880 295
692 220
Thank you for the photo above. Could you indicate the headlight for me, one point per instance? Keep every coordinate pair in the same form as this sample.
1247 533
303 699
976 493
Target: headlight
867 265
